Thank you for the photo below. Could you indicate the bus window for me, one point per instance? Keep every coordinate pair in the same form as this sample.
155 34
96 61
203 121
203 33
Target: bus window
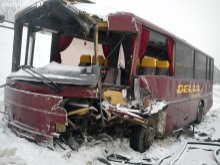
200 66
184 59
211 69
155 60
156 47
42 49
23 47
207 68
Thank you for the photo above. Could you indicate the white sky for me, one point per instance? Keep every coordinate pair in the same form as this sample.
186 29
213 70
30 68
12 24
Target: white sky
196 21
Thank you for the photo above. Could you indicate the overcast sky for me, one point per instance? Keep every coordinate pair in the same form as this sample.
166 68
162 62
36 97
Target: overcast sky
196 21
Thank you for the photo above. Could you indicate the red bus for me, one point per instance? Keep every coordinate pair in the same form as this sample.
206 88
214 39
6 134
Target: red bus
137 76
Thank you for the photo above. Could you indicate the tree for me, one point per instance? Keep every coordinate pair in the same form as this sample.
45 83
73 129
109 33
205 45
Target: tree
8 8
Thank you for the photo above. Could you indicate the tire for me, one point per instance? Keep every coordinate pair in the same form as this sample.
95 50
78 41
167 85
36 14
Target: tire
141 138
200 113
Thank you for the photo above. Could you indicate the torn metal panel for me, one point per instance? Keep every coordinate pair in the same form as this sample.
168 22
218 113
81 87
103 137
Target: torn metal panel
160 125
124 113
155 107
137 110
127 22
33 114
143 99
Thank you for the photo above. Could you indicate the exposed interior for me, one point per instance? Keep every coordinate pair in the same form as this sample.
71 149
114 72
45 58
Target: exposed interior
156 54
72 41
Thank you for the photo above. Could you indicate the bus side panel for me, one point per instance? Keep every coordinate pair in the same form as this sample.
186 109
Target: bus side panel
204 95
171 120
34 115
209 98
165 88
193 108
182 96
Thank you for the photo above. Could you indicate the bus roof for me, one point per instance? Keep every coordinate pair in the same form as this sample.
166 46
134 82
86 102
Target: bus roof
64 15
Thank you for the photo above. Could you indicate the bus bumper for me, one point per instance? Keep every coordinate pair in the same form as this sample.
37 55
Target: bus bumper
34 116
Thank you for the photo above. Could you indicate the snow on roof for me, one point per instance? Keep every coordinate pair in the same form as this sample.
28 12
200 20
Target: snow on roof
95 10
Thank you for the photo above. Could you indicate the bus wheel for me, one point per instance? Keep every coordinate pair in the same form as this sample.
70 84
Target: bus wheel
141 138
200 113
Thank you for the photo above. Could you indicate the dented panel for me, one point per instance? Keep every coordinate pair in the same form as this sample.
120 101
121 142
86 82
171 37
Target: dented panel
181 96
127 22
34 114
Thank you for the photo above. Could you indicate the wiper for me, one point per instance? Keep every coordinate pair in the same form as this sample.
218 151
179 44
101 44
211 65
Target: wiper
42 78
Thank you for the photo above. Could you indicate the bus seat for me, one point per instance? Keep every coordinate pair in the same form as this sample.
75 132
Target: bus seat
163 67
106 63
85 60
138 62
148 66
101 60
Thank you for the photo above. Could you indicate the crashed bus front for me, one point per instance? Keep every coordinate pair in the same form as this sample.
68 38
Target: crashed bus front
105 69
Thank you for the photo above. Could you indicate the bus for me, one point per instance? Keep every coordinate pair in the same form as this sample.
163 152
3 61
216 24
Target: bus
123 74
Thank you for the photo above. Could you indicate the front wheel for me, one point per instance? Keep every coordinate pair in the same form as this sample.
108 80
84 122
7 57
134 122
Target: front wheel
141 138
200 113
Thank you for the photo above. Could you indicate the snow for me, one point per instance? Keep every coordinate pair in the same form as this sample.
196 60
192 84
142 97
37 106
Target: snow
91 9
7 36
156 106
205 155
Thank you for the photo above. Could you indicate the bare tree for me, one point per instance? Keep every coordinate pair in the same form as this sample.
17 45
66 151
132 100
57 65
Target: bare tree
8 8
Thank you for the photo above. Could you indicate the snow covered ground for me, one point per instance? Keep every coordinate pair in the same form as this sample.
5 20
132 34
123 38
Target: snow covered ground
19 151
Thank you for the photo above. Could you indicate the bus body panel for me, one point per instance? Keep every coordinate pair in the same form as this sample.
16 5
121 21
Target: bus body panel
34 115
182 97
66 90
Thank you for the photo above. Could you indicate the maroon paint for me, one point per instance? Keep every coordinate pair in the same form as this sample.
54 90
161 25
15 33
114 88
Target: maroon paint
66 90
34 114
127 22
182 108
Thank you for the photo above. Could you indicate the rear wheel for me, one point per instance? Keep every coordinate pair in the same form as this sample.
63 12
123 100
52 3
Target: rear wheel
200 113
141 138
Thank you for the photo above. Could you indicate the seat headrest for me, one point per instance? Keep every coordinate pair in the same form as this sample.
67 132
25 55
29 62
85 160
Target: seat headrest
86 58
106 63
162 64
149 62
100 60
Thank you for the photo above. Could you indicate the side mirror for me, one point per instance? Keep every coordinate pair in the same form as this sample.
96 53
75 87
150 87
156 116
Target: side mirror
2 18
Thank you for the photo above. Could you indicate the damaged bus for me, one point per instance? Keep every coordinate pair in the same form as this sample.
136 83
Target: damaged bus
138 79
